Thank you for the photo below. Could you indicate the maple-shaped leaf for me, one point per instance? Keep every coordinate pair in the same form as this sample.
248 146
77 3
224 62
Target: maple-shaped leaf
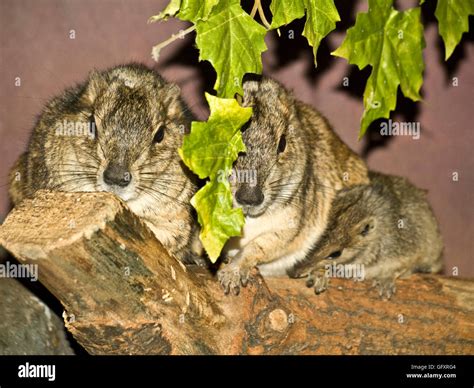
392 43
453 21
321 18
233 42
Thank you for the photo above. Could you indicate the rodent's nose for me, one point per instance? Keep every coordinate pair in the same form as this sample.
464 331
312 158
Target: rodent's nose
116 174
247 195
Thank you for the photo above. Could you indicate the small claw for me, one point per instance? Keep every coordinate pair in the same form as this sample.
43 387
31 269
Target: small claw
231 279
319 290
385 287
226 289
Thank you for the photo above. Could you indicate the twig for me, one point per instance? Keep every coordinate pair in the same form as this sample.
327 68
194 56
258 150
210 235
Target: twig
155 52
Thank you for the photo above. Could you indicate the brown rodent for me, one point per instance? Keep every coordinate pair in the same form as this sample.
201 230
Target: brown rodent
299 163
119 131
386 228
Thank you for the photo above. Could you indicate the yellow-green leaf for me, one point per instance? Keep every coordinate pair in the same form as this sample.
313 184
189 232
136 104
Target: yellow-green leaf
284 11
233 42
170 10
194 10
453 21
321 18
210 151
218 220
392 43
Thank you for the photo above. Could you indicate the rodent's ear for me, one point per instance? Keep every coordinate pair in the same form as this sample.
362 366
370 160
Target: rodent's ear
172 100
96 83
250 85
267 93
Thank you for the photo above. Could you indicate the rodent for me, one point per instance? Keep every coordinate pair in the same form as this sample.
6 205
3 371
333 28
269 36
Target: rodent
118 131
387 226
299 163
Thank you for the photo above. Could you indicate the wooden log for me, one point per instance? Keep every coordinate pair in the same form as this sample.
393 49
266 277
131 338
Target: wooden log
27 325
123 294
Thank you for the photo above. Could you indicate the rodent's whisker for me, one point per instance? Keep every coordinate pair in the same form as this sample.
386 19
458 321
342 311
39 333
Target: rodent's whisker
296 200
5 185
73 179
79 174
84 167
87 153
153 163
153 182
156 193
158 178
318 185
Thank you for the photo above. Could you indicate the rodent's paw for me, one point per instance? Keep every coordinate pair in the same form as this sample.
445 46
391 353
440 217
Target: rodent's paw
319 281
231 277
385 287
199 261
226 259
191 258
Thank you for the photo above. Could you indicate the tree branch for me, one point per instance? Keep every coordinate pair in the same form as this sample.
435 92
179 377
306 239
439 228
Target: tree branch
123 294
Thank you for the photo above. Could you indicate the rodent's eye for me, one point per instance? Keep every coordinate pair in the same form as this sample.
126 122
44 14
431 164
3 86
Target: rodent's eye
334 255
282 144
159 135
365 231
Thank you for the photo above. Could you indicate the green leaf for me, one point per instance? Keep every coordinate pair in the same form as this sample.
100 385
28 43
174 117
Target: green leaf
194 10
171 9
210 150
284 11
392 43
233 42
321 18
217 218
453 21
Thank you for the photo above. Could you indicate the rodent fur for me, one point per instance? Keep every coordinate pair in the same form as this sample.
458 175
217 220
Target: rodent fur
129 105
286 211
388 226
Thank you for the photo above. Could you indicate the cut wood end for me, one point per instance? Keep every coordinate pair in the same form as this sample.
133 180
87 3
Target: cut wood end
54 219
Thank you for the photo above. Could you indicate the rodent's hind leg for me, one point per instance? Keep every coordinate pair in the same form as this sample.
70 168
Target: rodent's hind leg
319 280
385 287
384 274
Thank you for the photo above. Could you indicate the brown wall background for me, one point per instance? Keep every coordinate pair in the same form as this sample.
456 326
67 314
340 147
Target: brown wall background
35 46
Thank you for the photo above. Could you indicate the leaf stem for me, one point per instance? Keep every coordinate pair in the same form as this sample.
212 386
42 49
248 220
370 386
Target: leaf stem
155 52
262 14
254 8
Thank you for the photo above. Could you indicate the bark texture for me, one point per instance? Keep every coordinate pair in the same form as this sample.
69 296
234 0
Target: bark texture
123 294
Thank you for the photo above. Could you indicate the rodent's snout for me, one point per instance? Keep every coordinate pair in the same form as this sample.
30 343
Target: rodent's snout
248 195
116 174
